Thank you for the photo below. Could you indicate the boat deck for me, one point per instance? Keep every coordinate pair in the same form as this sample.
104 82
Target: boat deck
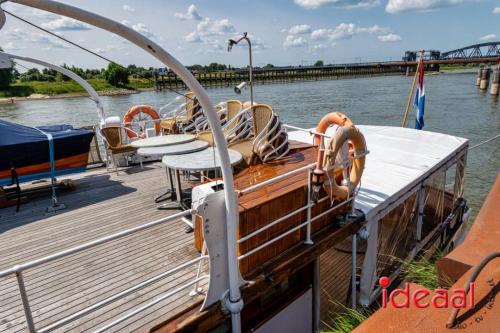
102 204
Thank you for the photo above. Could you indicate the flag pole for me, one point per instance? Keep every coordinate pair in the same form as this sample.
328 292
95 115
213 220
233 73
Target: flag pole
410 95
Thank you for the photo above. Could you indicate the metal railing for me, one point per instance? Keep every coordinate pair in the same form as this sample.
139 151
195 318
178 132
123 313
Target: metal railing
307 207
19 269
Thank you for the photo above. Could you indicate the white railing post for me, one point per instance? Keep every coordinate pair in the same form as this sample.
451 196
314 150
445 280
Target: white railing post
235 300
26 304
308 240
354 299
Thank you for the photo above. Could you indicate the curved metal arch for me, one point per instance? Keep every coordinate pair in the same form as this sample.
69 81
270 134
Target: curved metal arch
85 85
235 301
475 51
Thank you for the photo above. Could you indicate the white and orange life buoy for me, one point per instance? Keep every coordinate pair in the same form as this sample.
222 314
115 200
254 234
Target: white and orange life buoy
142 112
347 132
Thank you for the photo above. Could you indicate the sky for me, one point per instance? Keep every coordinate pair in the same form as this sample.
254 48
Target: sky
283 32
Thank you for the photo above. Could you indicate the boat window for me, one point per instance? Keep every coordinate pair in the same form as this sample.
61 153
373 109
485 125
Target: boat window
436 202
397 235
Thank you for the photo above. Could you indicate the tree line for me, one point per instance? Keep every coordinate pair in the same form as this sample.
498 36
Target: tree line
114 74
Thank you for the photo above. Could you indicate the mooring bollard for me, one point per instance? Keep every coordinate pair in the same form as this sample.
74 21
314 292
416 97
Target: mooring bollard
485 79
495 81
478 78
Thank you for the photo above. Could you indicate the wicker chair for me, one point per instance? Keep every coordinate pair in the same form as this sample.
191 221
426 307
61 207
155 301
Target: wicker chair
233 128
261 116
175 123
114 144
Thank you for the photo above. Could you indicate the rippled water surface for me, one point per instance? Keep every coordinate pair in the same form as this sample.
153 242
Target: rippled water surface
453 106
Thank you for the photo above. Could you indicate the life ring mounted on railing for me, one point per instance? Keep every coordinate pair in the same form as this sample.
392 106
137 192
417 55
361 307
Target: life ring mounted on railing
139 117
348 136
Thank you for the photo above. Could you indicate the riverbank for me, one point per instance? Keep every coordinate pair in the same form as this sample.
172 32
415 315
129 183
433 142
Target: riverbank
36 90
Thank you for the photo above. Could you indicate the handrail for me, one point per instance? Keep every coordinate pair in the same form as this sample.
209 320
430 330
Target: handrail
18 271
473 275
260 247
30 264
276 179
113 298
150 304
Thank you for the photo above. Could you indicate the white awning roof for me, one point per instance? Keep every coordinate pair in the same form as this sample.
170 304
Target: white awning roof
399 159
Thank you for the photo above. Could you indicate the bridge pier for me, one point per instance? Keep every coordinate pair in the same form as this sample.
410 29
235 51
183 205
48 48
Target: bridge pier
485 78
495 81
478 78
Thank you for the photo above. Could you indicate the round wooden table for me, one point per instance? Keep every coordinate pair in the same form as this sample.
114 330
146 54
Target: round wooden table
163 140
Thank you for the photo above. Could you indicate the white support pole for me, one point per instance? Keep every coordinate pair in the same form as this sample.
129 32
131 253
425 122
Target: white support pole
235 303
85 85
420 210
369 269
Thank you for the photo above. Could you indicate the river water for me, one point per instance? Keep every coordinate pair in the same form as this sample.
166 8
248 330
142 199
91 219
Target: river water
453 106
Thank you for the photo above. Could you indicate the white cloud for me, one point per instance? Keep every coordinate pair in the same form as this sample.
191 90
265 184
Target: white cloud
193 37
65 24
128 8
209 27
342 31
300 29
98 50
143 30
294 41
14 36
313 4
206 30
375 29
398 6
319 46
10 46
192 14
496 10
389 38
140 28
47 43
488 37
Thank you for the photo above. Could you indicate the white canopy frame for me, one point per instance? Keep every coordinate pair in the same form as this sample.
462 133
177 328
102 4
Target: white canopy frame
85 85
234 303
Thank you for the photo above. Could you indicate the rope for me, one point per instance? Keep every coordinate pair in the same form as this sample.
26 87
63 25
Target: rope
61 38
486 141
80 47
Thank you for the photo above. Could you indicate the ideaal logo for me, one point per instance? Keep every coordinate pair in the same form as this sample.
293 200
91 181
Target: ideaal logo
442 298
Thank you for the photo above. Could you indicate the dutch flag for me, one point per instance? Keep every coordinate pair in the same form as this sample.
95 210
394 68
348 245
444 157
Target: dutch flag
420 99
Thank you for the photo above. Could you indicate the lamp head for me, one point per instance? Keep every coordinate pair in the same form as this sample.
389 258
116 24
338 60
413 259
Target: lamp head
230 44
5 61
2 18
240 87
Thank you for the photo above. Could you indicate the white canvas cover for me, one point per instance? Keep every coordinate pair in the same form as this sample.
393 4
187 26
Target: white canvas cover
398 159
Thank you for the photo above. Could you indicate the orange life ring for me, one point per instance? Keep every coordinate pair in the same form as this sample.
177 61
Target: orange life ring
334 118
357 146
133 112
353 173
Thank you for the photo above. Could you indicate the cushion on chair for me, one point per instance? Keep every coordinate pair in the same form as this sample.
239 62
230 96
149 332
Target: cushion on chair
206 136
170 124
122 149
244 147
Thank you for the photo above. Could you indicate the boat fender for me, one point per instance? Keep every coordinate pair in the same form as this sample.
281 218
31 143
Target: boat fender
135 111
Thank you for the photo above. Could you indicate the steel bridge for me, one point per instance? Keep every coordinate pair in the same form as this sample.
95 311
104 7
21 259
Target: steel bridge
467 53
483 50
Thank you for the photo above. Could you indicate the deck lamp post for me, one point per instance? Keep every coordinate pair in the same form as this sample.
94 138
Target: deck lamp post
242 85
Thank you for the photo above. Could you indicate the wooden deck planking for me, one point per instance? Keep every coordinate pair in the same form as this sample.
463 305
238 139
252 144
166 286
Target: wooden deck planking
103 203
335 275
